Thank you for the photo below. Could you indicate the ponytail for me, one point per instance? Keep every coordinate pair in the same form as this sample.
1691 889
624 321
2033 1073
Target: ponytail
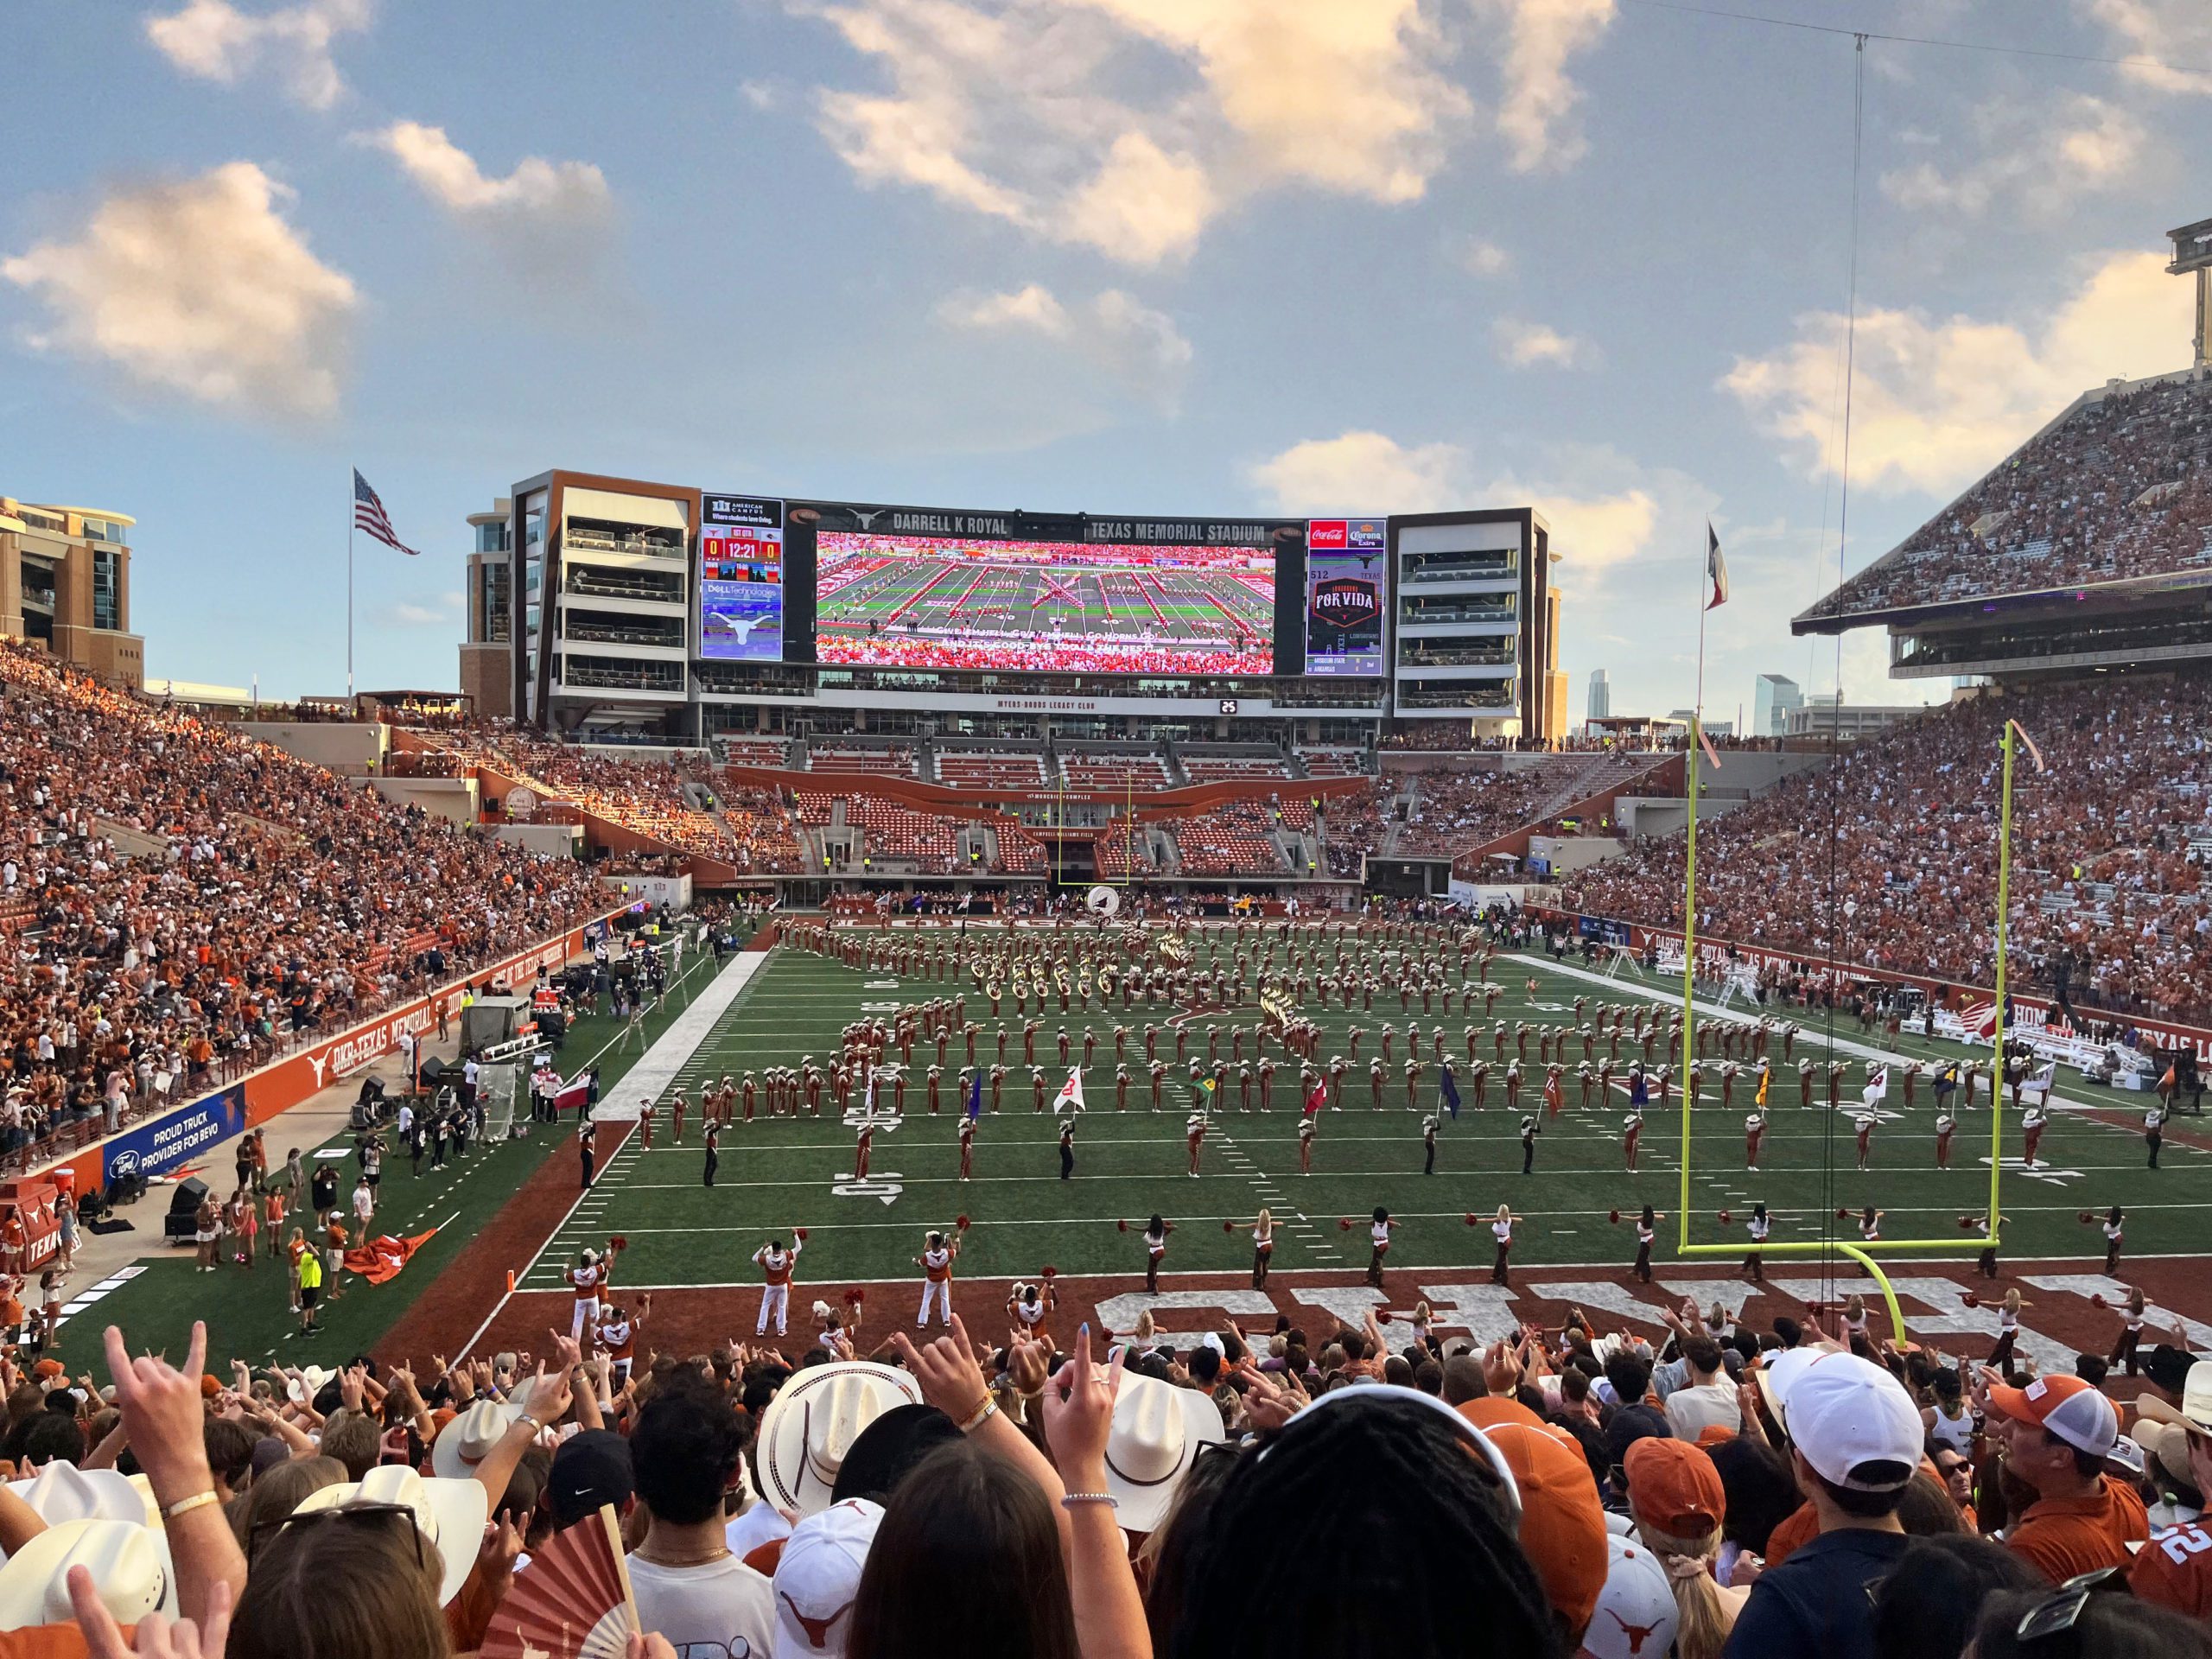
1702 1622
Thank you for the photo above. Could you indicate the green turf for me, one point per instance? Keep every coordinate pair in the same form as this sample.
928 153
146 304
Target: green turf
247 1312
778 1174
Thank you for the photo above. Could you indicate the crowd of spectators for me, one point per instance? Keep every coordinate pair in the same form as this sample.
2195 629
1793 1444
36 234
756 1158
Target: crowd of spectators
2108 844
2118 489
183 901
1726 1494
1453 812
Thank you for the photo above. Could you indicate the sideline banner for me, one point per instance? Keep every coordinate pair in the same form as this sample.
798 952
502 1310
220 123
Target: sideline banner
161 1144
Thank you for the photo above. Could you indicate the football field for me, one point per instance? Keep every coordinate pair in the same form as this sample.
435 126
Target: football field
779 1174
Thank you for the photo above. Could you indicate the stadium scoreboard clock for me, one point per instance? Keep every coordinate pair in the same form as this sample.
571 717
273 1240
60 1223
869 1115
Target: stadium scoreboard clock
740 579
1344 561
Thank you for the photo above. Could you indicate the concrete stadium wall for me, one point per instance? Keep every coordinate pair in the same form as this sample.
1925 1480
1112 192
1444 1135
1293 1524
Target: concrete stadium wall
351 749
451 798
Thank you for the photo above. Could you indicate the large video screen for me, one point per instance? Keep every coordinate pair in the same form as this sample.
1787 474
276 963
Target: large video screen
1344 595
1096 605
740 579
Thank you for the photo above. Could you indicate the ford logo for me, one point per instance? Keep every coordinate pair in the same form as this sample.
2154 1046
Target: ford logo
120 1166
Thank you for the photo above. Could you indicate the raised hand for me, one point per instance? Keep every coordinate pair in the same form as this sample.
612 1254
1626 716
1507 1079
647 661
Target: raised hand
951 1380
1079 1413
157 1639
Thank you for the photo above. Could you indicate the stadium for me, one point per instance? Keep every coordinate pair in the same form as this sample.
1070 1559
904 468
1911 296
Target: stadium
875 1063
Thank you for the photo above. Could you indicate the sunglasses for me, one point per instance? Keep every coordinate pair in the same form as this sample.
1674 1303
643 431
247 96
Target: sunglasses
2056 1614
351 1514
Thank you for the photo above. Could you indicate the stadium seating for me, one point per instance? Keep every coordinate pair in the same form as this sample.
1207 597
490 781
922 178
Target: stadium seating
1455 811
897 761
289 900
2120 487
1143 770
771 753
991 769
1221 768
1231 840
1332 763
2102 869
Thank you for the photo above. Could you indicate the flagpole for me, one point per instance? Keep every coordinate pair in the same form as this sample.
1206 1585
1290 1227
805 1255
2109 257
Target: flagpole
350 515
1997 1071
1689 903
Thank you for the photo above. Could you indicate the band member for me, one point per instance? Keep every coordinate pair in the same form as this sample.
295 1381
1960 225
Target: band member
646 1112
1155 1247
2112 1238
775 1264
967 1148
1555 1092
1501 1229
1194 1135
1067 1148
585 1280
714 1153
2154 1127
1754 1132
1531 1128
1631 1132
2008 1330
2032 1124
1946 1125
863 1144
1759 1225
1306 1146
1647 1231
1378 1239
1429 1146
675 1110
936 1263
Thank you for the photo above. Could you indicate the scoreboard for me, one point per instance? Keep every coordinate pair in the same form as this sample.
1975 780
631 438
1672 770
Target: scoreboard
1344 562
740 579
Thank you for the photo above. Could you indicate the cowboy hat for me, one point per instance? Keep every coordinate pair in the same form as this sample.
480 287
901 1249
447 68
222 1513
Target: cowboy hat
1156 1432
813 1422
470 1438
128 1561
63 1491
302 1388
449 1514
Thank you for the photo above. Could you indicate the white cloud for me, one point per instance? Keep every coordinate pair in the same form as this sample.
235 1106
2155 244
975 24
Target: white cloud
449 176
2034 154
1535 345
1363 472
2170 31
1139 347
1130 125
212 40
1937 403
1535 113
200 287
1481 258
440 611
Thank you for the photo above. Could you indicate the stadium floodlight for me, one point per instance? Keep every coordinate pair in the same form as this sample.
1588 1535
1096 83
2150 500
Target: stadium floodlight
2193 253
1862 1254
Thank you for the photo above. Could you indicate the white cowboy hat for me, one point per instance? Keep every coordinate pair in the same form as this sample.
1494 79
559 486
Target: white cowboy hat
128 1561
302 1388
471 1437
63 1491
813 1422
449 1514
1155 1435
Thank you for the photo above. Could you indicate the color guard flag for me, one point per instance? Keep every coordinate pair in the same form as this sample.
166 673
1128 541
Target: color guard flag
1716 571
1070 1096
1315 1096
1449 1091
975 1096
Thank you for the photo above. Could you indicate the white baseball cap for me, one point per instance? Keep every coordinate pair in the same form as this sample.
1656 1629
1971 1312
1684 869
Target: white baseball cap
1636 1616
818 1577
2068 1407
1844 1412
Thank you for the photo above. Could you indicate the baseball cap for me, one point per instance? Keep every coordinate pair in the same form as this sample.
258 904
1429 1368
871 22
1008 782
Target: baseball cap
1674 1486
818 1576
1636 1616
1562 1522
2066 1407
1844 1412
2130 1455
589 1468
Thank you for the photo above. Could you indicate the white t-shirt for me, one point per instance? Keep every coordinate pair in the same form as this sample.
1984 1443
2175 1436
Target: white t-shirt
722 1608
1689 1410
762 1524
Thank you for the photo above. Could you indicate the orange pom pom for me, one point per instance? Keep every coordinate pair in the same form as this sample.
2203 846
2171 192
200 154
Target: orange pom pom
961 1222
1344 1223
1724 1217
2087 1217
1473 1218
1382 1315
1842 1214
1052 1271
799 1233
1122 1226
2097 1299
1227 1226
1970 1299
1614 1216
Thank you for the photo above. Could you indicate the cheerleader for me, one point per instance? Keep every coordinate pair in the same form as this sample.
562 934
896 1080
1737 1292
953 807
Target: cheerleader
2008 1330
1870 1232
1029 1306
1647 1231
967 1148
1866 1127
2112 1238
1754 1132
1306 1146
1378 1238
1759 1225
936 1261
1155 1247
1631 1132
1263 1245
1501 1229
1852 1320
1422 1319
2131 1320
617 1339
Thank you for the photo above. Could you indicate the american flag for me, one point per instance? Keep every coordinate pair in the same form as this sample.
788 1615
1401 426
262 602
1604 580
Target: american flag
369 515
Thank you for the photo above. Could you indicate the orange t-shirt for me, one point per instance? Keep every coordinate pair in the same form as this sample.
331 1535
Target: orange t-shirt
1796 1530
2060 1537
2175 1570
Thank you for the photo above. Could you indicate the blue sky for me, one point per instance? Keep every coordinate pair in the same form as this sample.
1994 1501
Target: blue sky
1158 256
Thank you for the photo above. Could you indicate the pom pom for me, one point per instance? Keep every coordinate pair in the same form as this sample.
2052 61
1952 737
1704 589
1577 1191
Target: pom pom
618 1243
2097 1299
1227 1226
1970 1299
1614 1216
1121 1226
960 1222
856 1296
799 1233
1382 1315
1344 1223
1966 1224
1051 1272
2087 1217
1842 1214
1473 1218
1724 1217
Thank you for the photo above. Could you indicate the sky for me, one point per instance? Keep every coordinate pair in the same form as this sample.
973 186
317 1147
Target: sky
1153 257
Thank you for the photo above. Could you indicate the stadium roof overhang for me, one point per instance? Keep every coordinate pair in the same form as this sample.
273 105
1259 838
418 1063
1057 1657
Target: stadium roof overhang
1905 617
